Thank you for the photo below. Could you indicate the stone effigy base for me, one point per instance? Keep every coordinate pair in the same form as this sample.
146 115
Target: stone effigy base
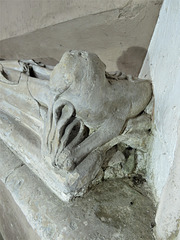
113 209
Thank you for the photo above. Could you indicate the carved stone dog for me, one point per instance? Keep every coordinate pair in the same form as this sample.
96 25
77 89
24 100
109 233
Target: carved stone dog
86 97
62 120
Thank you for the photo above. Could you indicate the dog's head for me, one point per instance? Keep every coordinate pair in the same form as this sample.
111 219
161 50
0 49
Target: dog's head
75 69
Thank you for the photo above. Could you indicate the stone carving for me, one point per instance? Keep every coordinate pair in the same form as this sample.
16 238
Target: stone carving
62 121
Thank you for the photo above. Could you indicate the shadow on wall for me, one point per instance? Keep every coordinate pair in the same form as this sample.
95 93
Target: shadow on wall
130 62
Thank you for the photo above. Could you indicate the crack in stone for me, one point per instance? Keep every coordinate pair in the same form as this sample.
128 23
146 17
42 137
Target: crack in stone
131 11
20 165
126 6
33 97
19 78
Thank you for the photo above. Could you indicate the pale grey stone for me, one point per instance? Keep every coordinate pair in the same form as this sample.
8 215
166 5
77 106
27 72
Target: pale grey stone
117 158
61 122
141 161
98 177
111 210
119 166
137 132
129 165
109 173
150 107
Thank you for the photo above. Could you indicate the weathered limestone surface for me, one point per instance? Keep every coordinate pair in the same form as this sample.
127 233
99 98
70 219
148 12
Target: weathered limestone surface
119 31
112 210
61 123
13 223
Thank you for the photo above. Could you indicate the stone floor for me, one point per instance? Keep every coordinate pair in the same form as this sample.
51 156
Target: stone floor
112 210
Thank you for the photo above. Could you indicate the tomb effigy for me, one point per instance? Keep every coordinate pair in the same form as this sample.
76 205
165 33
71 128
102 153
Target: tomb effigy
66 122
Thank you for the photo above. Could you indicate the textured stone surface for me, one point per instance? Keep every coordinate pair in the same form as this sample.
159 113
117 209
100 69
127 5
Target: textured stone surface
13 223
118 31
112 210
63 131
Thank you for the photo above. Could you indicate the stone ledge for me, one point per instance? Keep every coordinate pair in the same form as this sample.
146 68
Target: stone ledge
112 210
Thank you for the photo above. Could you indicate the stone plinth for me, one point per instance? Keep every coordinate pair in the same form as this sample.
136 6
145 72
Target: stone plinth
29 210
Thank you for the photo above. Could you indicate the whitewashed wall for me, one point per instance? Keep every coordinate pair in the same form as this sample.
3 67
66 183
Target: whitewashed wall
162 65
168 214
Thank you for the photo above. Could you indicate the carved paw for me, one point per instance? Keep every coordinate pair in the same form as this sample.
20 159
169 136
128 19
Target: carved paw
59 115
65 160
63 133
74 134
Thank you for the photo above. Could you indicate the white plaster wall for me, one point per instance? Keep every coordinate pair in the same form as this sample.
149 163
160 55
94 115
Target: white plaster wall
168 214
119 31
18 17
162 66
